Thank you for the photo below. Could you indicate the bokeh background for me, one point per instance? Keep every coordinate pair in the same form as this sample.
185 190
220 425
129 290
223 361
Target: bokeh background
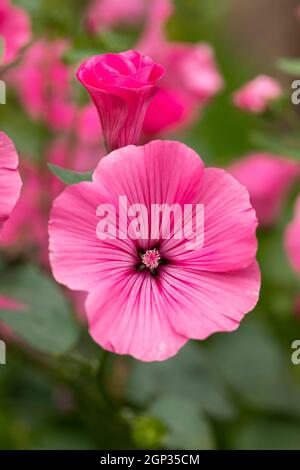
58 389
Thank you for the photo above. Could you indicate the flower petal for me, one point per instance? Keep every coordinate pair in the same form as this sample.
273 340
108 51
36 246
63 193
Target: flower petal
133 320
10 181
229 227
78 258
204 302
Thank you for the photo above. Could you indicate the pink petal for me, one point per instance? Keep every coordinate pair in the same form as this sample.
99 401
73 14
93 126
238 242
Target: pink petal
255 95
203 303
10 181
106 14
229 227
268 179
77 256
176 110
134 320
15 29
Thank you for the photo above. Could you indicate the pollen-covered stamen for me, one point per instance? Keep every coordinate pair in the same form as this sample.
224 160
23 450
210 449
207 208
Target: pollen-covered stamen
151 259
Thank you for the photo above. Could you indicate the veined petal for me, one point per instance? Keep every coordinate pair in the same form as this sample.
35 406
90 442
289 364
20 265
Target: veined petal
134 320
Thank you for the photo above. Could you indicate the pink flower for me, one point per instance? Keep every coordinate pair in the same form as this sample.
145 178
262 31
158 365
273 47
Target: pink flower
256 95
167 111
191 80
27 227
268 179
121 86
10 181
80 149
292 239
43 83
147 297
88 128
15 30
10 304
107 14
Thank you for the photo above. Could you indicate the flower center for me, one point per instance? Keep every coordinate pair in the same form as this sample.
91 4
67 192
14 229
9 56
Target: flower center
151 259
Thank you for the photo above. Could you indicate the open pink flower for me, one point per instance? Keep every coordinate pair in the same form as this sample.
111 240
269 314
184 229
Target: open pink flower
148 296
192 77
15 30
268 179
107 14
43 83
256 95
10 181
121 86
292 238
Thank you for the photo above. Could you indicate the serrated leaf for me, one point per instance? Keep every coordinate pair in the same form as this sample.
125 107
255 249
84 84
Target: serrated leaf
46 322
69 176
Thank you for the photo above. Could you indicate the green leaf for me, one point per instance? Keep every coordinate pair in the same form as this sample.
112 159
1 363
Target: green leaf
46 322
189 375
75 56
288 146
253 364
289 65
55 438
267 434
187 428
69 176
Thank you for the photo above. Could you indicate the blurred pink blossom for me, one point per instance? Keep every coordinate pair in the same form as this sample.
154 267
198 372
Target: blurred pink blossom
192 77
168 110
80 149
121 86
107 14
10 181
43 83
292 239
268 179
193 293
15 30
10 304
256 95
26 227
